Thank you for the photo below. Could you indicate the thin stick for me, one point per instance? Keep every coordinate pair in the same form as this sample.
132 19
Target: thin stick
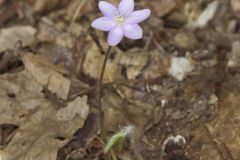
99 90
134 81
80 6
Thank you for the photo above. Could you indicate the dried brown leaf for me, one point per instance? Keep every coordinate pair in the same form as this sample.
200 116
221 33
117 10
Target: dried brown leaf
47 75
43 128
9 36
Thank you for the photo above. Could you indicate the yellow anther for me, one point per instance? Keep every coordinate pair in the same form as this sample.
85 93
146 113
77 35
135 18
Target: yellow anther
120 20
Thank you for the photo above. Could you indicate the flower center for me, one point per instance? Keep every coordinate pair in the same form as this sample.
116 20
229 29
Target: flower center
120 20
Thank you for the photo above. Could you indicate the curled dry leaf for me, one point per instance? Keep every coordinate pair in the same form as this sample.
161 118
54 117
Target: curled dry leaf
94 56
45 5
186 40
235 4
78 8
47 75
72 110
19 95
134 61
156 65
47 31
40 133
113 110
56 46
9 36
164 7
119 112
43 134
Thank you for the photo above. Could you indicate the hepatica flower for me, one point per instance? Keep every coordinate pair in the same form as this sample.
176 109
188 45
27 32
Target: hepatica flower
120 21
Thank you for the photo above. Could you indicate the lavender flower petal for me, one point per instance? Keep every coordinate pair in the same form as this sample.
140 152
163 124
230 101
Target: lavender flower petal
107 9
126 7
138 16
103 23
115 36
120 21
133 31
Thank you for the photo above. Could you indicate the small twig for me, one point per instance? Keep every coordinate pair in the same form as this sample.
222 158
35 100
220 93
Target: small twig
119 82
149 40
99 90
80 6
159 47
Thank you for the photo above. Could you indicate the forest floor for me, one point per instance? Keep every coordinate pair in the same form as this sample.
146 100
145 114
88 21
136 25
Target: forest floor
179 86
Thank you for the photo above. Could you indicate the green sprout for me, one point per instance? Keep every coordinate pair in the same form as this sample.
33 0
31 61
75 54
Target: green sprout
117 139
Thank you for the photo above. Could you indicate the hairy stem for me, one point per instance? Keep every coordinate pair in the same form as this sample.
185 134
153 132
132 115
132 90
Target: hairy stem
99 91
